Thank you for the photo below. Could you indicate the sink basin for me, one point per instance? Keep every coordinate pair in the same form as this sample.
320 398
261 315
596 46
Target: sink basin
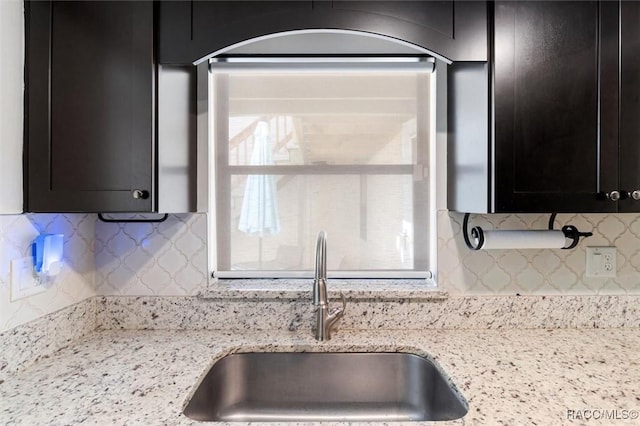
282 386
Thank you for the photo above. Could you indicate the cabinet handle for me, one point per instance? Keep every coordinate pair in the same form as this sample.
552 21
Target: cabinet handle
613 195
635 194
140 194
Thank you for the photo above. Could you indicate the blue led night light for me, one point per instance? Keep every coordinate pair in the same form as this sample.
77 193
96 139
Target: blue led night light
47 251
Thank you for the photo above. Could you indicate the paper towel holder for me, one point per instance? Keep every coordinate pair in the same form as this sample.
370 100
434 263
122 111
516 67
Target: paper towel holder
569 231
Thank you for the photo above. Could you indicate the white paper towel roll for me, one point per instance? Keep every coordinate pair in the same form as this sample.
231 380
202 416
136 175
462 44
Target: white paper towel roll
528 239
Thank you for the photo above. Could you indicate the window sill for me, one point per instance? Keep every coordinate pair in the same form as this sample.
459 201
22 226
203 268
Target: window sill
301 289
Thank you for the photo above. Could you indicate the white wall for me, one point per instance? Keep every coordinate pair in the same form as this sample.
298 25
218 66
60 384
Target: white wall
11 104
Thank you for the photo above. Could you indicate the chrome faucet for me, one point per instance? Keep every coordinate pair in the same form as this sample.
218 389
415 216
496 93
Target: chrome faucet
325 318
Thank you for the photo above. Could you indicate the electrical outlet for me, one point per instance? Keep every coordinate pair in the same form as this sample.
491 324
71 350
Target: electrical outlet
24 281
601 261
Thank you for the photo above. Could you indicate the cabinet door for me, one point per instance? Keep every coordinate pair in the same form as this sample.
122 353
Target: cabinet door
552 77
630 105
189 31
90 106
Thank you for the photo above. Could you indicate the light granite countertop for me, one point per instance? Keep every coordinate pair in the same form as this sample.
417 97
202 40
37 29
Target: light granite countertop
300 289
509 376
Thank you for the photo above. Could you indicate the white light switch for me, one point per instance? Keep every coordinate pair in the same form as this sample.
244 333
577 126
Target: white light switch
24 282
601 261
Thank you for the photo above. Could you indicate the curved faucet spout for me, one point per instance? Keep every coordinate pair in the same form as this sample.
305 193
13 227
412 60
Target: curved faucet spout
325 318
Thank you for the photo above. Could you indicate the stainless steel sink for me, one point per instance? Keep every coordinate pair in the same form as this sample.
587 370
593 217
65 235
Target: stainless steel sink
324 386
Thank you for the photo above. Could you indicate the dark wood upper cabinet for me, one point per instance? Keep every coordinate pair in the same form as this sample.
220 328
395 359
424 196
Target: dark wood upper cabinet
563 107
555 91
630 105
191 30
90 106
543 97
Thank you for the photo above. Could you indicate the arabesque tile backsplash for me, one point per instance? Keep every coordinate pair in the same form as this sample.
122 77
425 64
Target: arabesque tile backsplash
170 259
165 259
152 254
538 272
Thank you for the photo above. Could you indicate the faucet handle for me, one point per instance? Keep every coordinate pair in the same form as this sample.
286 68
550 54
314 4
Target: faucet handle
340 311
335 315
